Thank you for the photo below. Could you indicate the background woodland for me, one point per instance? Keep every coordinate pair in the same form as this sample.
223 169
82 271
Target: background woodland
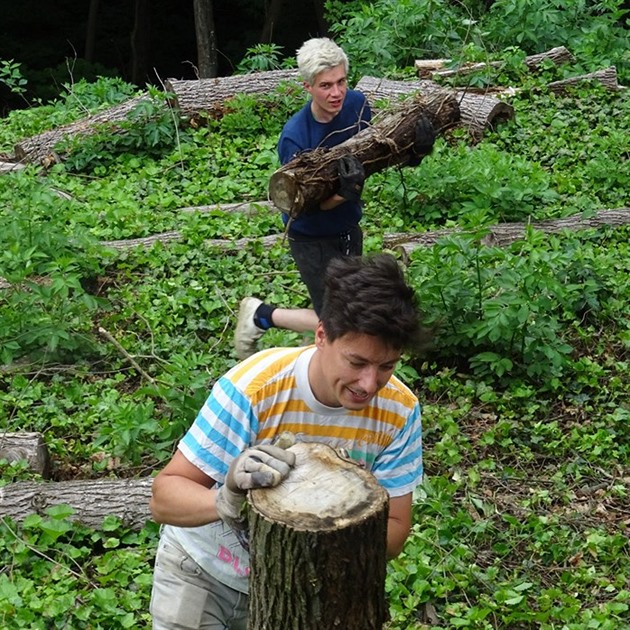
126 247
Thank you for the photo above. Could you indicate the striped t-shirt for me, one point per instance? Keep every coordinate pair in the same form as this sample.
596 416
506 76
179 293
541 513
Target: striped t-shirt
270 393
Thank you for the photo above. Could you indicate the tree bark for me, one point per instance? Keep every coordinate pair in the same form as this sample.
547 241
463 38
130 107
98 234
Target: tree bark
92 500
27 446
431 68
312 176
207 64
607 77
273 11
140 41
90 30
208 96
205 95
479 112
318 546
504 234
43 147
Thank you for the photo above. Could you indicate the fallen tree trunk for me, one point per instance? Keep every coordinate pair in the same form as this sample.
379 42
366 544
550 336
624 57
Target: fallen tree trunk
189 97
479 112
504 234
26 446
91 500
318 546
208 95
221 243
245 207
431 68
43 148
312 176
606 77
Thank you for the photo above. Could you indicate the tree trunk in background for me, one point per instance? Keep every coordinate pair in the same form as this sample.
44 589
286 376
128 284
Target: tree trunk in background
273 10
321 18
140 42
318 546
206 39
90 31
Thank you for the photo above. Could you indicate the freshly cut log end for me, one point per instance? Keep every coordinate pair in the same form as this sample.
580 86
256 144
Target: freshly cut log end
324 492
285 192
318 546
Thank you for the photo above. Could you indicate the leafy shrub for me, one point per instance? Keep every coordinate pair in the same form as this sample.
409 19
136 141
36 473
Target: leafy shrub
383 35
593 30
507 310
58 574
46 308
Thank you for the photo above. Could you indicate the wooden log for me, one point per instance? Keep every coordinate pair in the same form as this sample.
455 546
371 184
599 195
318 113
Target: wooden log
504 234
318 546
9 167
312 176
247 208
607 77
208 95
26 446
42 148
432 68
478 112
188 97
220 243
92 500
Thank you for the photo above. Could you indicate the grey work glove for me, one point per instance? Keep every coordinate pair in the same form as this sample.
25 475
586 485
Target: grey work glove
262 466
423 141
351 177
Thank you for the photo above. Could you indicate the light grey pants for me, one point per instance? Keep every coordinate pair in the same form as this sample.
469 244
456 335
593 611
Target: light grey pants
185 597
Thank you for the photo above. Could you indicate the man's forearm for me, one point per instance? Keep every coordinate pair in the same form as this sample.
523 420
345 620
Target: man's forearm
182 502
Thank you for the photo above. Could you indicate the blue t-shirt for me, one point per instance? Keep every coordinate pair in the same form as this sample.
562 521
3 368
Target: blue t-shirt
302 132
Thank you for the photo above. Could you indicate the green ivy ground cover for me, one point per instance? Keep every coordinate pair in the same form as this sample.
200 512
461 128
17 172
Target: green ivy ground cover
522 521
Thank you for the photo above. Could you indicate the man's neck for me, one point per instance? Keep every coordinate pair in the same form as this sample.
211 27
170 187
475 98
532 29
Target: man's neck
320 115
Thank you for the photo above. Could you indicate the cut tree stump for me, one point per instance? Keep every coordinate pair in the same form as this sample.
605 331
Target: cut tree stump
26 446
318 546
92 500
311 177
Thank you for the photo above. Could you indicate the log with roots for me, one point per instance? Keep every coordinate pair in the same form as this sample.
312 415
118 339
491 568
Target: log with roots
311 177
318 546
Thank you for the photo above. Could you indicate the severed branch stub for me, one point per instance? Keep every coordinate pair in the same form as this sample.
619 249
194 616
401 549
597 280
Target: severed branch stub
301 184
318 546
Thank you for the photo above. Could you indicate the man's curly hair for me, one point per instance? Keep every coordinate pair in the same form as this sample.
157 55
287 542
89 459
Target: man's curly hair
369 295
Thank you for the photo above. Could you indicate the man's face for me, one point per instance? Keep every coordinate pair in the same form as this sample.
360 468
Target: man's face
349 371
328 91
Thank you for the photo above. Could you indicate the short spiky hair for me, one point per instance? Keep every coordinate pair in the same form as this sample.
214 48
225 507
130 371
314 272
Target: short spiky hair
369 295
317 55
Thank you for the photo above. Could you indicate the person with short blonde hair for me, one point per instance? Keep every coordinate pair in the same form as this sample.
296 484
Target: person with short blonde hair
333 114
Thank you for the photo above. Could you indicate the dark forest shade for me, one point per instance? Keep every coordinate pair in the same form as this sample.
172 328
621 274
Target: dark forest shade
51 40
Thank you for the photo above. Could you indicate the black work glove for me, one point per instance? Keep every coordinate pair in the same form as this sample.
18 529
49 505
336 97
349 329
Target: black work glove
423 142
351 177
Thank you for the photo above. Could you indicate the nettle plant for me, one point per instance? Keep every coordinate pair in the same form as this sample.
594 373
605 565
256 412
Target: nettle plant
509 310
46 309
